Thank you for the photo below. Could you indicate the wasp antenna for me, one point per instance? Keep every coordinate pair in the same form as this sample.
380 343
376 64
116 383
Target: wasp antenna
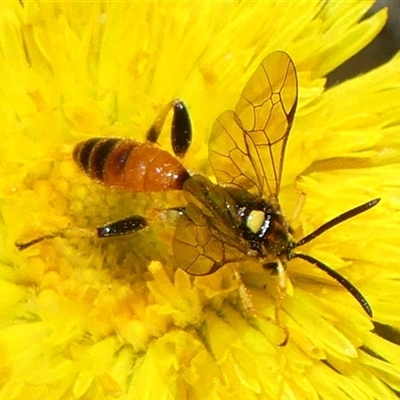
337 220
339 278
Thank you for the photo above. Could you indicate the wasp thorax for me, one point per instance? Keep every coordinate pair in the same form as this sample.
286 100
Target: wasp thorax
256 221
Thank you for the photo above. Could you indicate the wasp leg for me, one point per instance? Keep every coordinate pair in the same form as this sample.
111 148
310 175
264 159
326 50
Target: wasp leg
67 233
282 289
178 210
122 226
181 128
249 306
116 228
301 199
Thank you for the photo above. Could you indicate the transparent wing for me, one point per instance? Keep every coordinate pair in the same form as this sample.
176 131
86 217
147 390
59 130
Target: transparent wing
247 145
207 235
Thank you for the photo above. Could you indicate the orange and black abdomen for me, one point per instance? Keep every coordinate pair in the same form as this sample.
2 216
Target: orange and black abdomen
129 165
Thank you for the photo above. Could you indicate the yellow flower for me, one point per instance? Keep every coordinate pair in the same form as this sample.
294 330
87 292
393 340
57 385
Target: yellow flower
113 318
